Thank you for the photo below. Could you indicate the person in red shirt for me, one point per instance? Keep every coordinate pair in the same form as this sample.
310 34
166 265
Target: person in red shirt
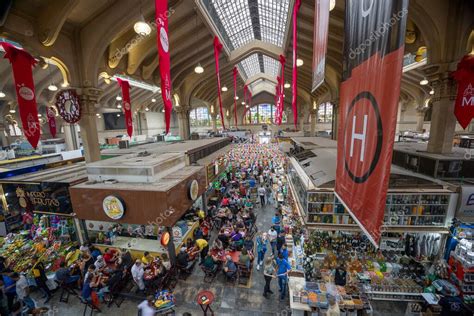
225 201
110 256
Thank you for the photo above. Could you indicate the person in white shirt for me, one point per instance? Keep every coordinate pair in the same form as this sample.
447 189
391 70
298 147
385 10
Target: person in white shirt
137 274
23 290
272 236
261 193
146 307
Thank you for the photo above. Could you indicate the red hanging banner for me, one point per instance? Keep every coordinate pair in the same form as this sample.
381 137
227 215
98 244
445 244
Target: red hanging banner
217 51
22 66
368 108
235 95
51 115
320 41
281 98
126 105
294 89
277 100
464 106
161 10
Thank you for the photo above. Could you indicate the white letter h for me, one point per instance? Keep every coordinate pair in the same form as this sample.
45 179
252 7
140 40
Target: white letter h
360 137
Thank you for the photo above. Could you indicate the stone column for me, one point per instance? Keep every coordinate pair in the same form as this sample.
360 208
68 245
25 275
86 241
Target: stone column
3 136
214 122
443 121
183 121
301 118
90 139
228 119
70 136
420 119
312 115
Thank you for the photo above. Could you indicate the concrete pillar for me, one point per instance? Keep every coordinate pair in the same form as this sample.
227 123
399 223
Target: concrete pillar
70 136
443 121
90 138
214 122
335 118
183 121
314 118
301 118
420 120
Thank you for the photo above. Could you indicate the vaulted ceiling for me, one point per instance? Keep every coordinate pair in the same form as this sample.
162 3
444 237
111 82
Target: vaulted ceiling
93 40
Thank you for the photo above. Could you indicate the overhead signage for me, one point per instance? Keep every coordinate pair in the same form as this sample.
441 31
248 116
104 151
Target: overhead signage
466 206
114 207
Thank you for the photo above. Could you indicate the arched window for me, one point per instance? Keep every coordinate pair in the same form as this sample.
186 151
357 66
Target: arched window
262 114
325 113
199 117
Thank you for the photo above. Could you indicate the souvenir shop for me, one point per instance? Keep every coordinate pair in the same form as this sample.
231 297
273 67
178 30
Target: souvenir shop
335 257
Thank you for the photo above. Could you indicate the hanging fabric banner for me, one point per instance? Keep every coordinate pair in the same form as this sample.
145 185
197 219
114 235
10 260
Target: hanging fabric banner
281 98
277 101
373 47
217 51
22 66
126 105
464 106
235 95
294 84
161 11
51 116
320 41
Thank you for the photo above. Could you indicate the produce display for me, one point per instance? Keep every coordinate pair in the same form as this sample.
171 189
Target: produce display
19 251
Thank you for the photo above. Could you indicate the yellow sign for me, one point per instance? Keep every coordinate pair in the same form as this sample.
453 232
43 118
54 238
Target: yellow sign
194 190
113 207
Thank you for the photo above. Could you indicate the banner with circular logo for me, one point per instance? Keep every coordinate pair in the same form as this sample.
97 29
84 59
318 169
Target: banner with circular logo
114 207
193 190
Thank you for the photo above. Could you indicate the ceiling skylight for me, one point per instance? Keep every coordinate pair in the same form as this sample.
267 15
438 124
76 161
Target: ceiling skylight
271 66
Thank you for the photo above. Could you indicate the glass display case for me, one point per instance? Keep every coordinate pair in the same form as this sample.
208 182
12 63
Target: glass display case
402 209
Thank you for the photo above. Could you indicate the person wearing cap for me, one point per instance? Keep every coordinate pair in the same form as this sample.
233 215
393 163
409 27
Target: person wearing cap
137 274
182 259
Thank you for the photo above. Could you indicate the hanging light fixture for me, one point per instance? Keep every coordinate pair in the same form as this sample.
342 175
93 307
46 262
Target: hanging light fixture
162 110
424 81
432 91
52 86
2 94
243 102
118 115
299 62
236 97
287 85
147 109
198 69
118 98
153 100
12 111
332 4
39 115
119 106
141 27
224 88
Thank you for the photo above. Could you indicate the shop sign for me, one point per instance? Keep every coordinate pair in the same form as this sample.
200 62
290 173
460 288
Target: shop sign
466 207
165 239
114 207
46 197
193 190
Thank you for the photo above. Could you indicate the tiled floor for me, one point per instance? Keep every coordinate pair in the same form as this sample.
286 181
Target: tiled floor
230 300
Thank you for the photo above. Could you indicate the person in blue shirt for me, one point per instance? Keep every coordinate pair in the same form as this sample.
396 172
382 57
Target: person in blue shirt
276 219
284 251
9 286
283 267
262 245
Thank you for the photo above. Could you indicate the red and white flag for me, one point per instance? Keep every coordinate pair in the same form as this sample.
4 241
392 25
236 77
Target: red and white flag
126 105
217 51
464 106
22 66
368 108
51 115
161 11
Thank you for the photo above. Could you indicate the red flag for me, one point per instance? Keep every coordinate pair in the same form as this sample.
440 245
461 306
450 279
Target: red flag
277 99
294 89
281 83
235 95
464 106
22 66
51 115
161 10
368 109
217 51
320 41
127 107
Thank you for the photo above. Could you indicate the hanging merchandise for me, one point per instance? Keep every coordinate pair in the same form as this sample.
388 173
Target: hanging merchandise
217 51
161 11
235 94
51 115
464 106
320 41
368 109
294 89
126 104
70 97
22 66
